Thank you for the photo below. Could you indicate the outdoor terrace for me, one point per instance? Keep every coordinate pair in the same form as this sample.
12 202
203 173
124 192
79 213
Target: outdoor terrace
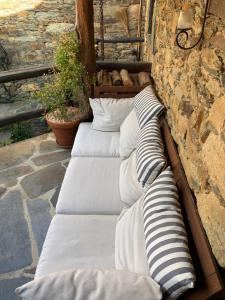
31 173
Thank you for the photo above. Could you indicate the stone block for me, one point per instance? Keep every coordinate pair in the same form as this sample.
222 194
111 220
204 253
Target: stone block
217 8
55 196
15 246
217 114
40 217
15 154
2 191
210 58
48 146
213 156
218 41
59 28
14 173
8 286
51 158
43 180
213 219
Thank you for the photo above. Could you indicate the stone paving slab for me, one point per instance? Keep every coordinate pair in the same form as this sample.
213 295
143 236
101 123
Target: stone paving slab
8 286
31 173
14 173
13 155
15 245
51 158
40 216
42 181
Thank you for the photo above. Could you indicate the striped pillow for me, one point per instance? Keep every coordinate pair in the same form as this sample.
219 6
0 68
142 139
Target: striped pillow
147 106
150 153
169 260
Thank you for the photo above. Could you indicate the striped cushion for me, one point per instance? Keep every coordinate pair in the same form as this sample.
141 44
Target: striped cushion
168 254
147 106
150 153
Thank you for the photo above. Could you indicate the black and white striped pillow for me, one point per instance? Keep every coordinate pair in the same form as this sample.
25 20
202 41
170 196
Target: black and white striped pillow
147 106
169 259
150 153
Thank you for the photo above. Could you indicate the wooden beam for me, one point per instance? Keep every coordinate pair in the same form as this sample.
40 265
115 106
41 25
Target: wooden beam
20 74
135 67
121 40
21 117
85 30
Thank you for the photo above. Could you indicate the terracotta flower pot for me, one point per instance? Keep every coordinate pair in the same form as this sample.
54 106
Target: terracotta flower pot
65 132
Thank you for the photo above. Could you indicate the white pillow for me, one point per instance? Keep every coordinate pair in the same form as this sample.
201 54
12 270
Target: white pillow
91 285
129 131
130 188
130 253
110 113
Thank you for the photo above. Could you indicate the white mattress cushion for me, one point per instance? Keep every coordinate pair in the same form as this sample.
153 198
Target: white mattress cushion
75 242
130 252
90 142
130 188
91 285
129 131
91 186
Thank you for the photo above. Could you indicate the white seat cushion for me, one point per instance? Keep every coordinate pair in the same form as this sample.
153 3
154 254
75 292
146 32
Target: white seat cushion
78 242
129 131
91 186
90 142
130 188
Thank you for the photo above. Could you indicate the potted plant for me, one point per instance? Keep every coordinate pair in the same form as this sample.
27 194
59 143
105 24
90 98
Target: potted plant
64 96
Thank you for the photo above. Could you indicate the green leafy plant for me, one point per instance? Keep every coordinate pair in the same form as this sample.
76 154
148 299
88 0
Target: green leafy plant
20 131
67 87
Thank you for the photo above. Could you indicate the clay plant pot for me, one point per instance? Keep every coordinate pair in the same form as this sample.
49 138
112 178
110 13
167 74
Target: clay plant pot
65 132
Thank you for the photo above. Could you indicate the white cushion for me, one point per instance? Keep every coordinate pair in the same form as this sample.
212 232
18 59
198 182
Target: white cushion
91 285
109 113
129 131
91 186
130 188
130 253
90 142
78 242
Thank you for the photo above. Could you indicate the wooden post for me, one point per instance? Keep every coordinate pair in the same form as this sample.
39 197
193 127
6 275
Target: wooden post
85 30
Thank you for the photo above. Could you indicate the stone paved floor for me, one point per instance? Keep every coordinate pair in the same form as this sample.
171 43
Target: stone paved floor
31 173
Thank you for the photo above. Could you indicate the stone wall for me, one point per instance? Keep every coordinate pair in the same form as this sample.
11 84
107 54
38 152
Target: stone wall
192 86
29 31
31 34
114 28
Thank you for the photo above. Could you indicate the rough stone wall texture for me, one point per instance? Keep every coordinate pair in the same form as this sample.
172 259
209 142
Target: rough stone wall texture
114 29
30 35
192 86
29 31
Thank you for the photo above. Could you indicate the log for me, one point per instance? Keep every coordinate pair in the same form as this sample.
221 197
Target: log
85 31
106 78
144 78
100 77
116 78
127 81
135 79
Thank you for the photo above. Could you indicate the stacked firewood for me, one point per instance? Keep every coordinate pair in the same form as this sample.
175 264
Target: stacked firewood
123 78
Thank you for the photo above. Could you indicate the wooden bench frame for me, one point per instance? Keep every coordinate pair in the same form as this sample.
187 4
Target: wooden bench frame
209 283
